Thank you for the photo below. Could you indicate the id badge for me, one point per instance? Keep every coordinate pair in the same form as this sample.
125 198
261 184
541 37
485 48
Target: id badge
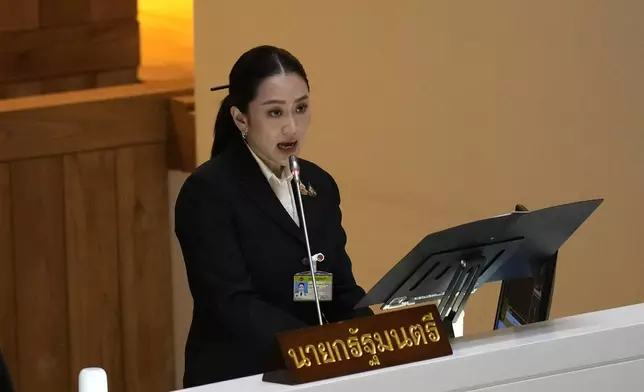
303 286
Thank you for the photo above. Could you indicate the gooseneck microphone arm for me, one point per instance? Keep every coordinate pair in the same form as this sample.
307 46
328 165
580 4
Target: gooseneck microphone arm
294 166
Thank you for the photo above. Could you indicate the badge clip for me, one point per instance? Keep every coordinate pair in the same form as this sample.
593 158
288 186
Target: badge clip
317 258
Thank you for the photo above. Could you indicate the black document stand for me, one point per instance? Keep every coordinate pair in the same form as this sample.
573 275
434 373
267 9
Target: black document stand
451 264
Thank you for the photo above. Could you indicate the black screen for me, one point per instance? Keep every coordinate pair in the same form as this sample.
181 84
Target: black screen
525 301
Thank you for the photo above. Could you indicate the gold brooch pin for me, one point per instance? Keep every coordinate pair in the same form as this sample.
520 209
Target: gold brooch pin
312 191
307 191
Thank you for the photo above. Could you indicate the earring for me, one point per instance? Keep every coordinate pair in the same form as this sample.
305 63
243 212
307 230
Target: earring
245 133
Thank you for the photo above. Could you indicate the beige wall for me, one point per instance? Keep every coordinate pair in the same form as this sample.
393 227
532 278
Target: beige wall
166 30
430 114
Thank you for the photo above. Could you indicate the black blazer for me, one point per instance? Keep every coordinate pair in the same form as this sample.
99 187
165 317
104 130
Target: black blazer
5 379
241 250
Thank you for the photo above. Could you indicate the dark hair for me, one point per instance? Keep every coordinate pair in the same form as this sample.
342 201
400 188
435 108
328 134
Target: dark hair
245 77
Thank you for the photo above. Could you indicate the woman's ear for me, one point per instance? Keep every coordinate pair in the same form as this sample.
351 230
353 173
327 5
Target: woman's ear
240 119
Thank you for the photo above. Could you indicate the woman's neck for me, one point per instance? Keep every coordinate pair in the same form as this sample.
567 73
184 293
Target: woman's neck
277 170
273 167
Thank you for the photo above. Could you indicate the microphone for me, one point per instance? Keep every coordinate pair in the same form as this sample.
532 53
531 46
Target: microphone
294 166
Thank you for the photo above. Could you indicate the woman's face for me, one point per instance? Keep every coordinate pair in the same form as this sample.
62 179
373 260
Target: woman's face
278 119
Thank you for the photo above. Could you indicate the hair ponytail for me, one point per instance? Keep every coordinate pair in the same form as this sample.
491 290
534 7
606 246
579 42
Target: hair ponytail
225 129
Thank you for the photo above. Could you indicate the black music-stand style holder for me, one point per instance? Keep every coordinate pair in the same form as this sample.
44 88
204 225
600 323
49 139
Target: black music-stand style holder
449 265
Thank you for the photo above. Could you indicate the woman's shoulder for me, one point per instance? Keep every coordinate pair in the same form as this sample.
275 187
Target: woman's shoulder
211 170
209 180
312 169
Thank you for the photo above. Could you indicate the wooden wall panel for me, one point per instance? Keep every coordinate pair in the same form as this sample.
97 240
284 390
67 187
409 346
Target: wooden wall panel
83 184
58 13
181 141
69 50
62 84
158 92
74 128
18 15
40 275
68 83
20 89
92 257
113 9
48 46
116 77
7 288
145 268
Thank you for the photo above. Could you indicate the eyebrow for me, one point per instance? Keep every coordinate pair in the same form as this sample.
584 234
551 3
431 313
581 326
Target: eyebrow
277 101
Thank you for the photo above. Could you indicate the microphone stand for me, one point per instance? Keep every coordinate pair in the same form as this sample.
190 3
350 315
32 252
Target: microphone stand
295 169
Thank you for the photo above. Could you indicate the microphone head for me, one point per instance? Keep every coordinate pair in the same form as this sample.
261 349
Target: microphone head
294 166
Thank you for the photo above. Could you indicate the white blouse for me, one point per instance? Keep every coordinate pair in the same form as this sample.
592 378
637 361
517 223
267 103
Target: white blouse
281 186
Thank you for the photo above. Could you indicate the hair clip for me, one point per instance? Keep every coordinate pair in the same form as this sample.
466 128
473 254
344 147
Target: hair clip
223 86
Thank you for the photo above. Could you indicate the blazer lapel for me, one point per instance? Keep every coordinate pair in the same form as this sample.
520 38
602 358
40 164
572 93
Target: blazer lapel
253 182
309 206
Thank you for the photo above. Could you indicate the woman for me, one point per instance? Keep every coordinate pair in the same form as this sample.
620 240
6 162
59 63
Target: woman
239 226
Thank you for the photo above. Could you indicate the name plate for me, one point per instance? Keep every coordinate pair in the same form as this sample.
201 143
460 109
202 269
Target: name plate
361 344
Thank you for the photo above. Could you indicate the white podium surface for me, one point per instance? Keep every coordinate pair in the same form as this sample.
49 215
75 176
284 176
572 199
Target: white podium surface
600 351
